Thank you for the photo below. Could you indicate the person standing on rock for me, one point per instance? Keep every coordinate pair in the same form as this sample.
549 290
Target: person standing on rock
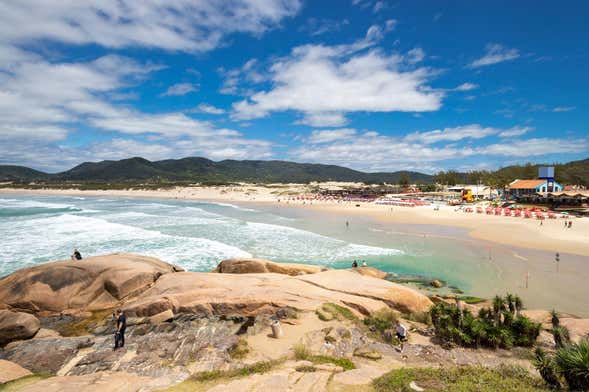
401 333
121 326
76 255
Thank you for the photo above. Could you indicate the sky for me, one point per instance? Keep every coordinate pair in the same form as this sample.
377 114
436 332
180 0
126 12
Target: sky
375 85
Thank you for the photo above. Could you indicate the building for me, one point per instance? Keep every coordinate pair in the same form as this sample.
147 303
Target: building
479 192
519 188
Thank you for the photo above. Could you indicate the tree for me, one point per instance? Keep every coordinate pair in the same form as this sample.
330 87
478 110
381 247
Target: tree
404 179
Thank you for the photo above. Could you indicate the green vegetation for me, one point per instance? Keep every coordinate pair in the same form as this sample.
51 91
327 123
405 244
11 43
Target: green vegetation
499 326
471 300
569 364
338 312
18 384
460 379
82 327
254 368
575 172
302 353
196 169
240 350
382 320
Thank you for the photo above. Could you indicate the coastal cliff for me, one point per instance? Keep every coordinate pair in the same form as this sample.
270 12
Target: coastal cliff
212 331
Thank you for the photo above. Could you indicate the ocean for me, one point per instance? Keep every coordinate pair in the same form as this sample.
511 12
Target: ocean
198 235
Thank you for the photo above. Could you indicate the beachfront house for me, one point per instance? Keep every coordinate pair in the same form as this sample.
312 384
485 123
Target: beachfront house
479 192
519 188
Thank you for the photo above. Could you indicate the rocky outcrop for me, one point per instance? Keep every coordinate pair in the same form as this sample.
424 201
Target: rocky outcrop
93 283
46 355
11 371
256 266
370 271
147 287
395 295
17 326
252 294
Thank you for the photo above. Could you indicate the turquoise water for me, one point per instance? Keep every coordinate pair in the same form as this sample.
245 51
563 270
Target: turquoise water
198 235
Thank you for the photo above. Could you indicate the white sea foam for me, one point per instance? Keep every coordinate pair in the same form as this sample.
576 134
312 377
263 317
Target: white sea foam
183 233
233 206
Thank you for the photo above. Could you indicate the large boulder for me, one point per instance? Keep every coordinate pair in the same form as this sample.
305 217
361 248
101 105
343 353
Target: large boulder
92 283
253 294
17 326
398 297
11 371
255 266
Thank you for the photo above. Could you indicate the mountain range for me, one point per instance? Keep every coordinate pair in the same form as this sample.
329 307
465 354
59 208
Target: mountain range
197 169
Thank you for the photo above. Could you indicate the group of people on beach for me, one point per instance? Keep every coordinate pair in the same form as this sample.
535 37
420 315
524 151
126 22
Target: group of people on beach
355 264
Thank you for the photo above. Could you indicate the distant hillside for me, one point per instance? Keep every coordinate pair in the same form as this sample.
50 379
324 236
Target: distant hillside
20 173
571 173
204 170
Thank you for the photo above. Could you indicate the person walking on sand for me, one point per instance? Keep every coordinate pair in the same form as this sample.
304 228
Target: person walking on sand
401 333
355 264
121 327
76 255
364 263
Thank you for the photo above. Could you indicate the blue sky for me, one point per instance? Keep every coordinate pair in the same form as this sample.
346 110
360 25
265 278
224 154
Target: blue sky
372 85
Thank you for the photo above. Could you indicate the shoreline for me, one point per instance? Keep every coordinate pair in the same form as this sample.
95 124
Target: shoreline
524 233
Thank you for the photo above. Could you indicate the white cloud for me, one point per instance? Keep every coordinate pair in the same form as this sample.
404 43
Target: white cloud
563 109
466 87
318 80
473 131
209 109
495 53
390 25
184 25
179 89
328 136
372 151
323 119
415 55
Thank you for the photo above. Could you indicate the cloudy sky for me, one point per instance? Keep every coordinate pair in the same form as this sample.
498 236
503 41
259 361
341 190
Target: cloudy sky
372 85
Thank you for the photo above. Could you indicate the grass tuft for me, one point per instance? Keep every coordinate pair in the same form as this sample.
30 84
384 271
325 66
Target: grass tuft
460 379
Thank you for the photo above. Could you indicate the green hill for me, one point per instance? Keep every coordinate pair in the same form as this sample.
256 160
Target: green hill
196 169
20 173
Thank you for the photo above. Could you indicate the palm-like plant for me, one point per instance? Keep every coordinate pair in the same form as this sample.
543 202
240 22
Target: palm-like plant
561 336
573 364
510 299
547 368
554 318
519 305
498 307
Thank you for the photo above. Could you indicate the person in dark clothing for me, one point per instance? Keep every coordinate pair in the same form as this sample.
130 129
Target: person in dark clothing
76 255
354 264
121 326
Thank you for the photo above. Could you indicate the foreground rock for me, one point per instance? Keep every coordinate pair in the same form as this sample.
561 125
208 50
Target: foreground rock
16 326
253 294
254 266
394 295
11 371
93 283
98 382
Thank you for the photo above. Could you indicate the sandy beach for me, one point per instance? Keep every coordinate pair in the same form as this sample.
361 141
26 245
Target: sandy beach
527 233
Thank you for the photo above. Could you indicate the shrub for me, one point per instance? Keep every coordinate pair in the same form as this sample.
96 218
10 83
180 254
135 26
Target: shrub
547 368
561 336
573 363
493 327
301 352
382 320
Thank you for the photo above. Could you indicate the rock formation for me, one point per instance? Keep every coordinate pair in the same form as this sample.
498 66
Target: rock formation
93 283
16 326
253 266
